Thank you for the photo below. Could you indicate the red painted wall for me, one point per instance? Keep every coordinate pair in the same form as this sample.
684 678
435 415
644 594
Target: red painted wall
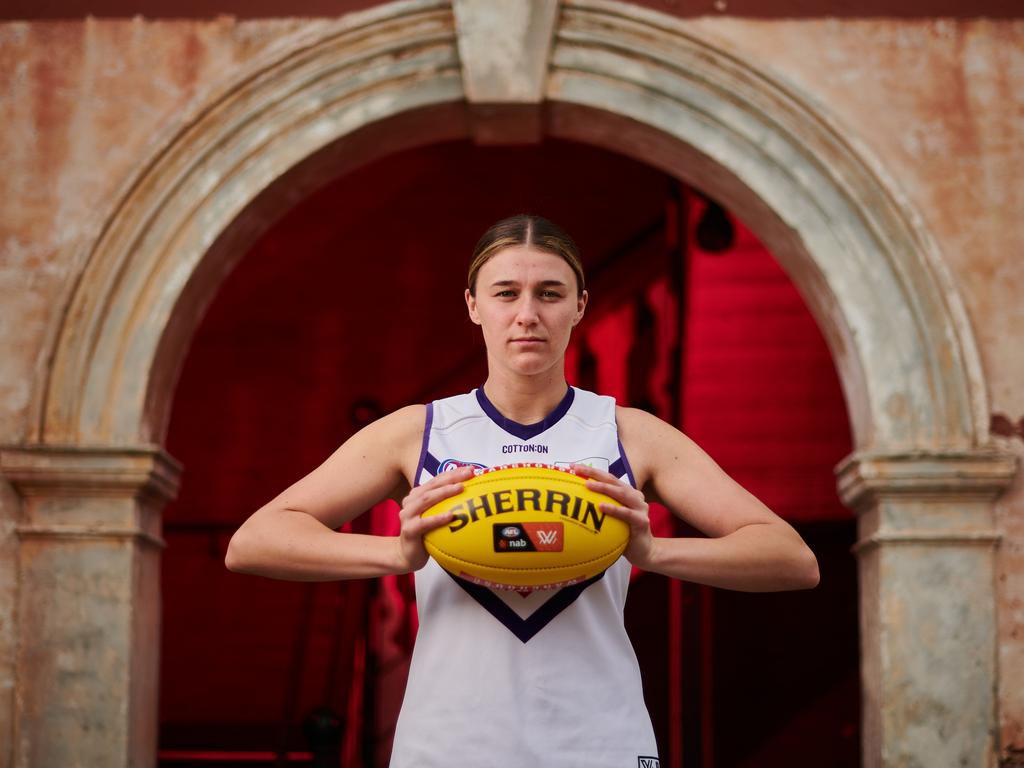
761 392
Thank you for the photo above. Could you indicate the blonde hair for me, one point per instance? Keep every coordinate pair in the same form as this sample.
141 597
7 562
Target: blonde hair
526 229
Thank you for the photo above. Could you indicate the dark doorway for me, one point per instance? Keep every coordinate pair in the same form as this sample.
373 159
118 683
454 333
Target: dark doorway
350 306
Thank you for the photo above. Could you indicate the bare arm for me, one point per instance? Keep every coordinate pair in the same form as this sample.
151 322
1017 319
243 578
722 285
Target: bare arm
752 549
291 536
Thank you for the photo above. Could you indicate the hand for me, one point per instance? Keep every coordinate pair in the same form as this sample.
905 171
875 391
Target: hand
632 509
411 552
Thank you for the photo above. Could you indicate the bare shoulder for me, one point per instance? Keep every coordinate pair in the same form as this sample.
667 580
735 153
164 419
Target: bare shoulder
395 439
671 468
377 462
634 419
404 425
647 440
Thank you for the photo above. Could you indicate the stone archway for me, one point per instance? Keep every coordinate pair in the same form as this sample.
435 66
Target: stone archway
93 475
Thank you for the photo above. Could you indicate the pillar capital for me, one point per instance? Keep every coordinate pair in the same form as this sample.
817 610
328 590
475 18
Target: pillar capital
48 470
118 491
865 477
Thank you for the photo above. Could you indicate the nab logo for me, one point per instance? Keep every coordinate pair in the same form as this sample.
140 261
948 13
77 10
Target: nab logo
648 762
511 538
529 537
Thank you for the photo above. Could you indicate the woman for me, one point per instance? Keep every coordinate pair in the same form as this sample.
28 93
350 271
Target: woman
547 678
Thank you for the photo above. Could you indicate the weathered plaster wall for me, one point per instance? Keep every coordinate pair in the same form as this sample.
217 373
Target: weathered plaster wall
939 105
80 102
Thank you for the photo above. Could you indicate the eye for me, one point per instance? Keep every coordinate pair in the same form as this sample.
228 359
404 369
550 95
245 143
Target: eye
549 293
505 293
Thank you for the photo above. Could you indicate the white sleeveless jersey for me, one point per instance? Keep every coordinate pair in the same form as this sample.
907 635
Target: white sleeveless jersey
500 679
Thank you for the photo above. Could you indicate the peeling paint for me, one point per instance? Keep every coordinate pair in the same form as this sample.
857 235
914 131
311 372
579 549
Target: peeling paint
1012 757
1003 426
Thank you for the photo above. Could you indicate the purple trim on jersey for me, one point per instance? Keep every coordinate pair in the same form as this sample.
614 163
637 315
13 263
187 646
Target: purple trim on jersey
423 450
526 628
431 464
625 463
525 431
617 468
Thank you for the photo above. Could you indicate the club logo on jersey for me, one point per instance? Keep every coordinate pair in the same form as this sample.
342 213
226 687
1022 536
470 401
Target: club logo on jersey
448 464
528 537
648 762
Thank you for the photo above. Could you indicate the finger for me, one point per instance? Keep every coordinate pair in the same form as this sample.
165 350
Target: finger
450 476
601 476
420 526
626 494
415 504
634 518
585 470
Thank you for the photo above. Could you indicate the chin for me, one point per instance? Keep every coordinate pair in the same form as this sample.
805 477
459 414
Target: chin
532 367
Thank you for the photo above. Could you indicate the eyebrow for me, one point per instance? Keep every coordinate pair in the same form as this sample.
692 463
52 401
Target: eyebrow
516 282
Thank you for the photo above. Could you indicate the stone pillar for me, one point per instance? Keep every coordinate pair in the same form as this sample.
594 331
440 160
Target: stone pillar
88 602
926 550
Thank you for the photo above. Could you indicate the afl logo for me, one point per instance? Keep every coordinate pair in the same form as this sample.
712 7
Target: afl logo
511 532
448 464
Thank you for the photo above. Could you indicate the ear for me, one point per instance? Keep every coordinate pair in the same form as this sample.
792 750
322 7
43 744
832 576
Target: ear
581 306
471 306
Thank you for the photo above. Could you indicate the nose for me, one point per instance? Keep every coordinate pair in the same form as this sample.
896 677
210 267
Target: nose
526 314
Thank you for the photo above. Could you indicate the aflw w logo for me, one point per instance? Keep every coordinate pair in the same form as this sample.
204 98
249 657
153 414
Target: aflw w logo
547 537
648 762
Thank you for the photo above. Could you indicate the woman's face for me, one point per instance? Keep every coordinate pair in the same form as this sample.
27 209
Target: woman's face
527 306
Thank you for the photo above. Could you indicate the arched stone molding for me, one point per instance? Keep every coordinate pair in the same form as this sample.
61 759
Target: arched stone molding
620 77
637 83
867 269
183 223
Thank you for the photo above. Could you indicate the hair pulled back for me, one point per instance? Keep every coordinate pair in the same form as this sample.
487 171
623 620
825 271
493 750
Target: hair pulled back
526 229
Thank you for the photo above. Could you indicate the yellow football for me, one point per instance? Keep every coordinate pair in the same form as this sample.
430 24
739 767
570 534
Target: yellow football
526 526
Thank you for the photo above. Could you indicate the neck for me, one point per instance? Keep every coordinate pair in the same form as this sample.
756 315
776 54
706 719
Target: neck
526 399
